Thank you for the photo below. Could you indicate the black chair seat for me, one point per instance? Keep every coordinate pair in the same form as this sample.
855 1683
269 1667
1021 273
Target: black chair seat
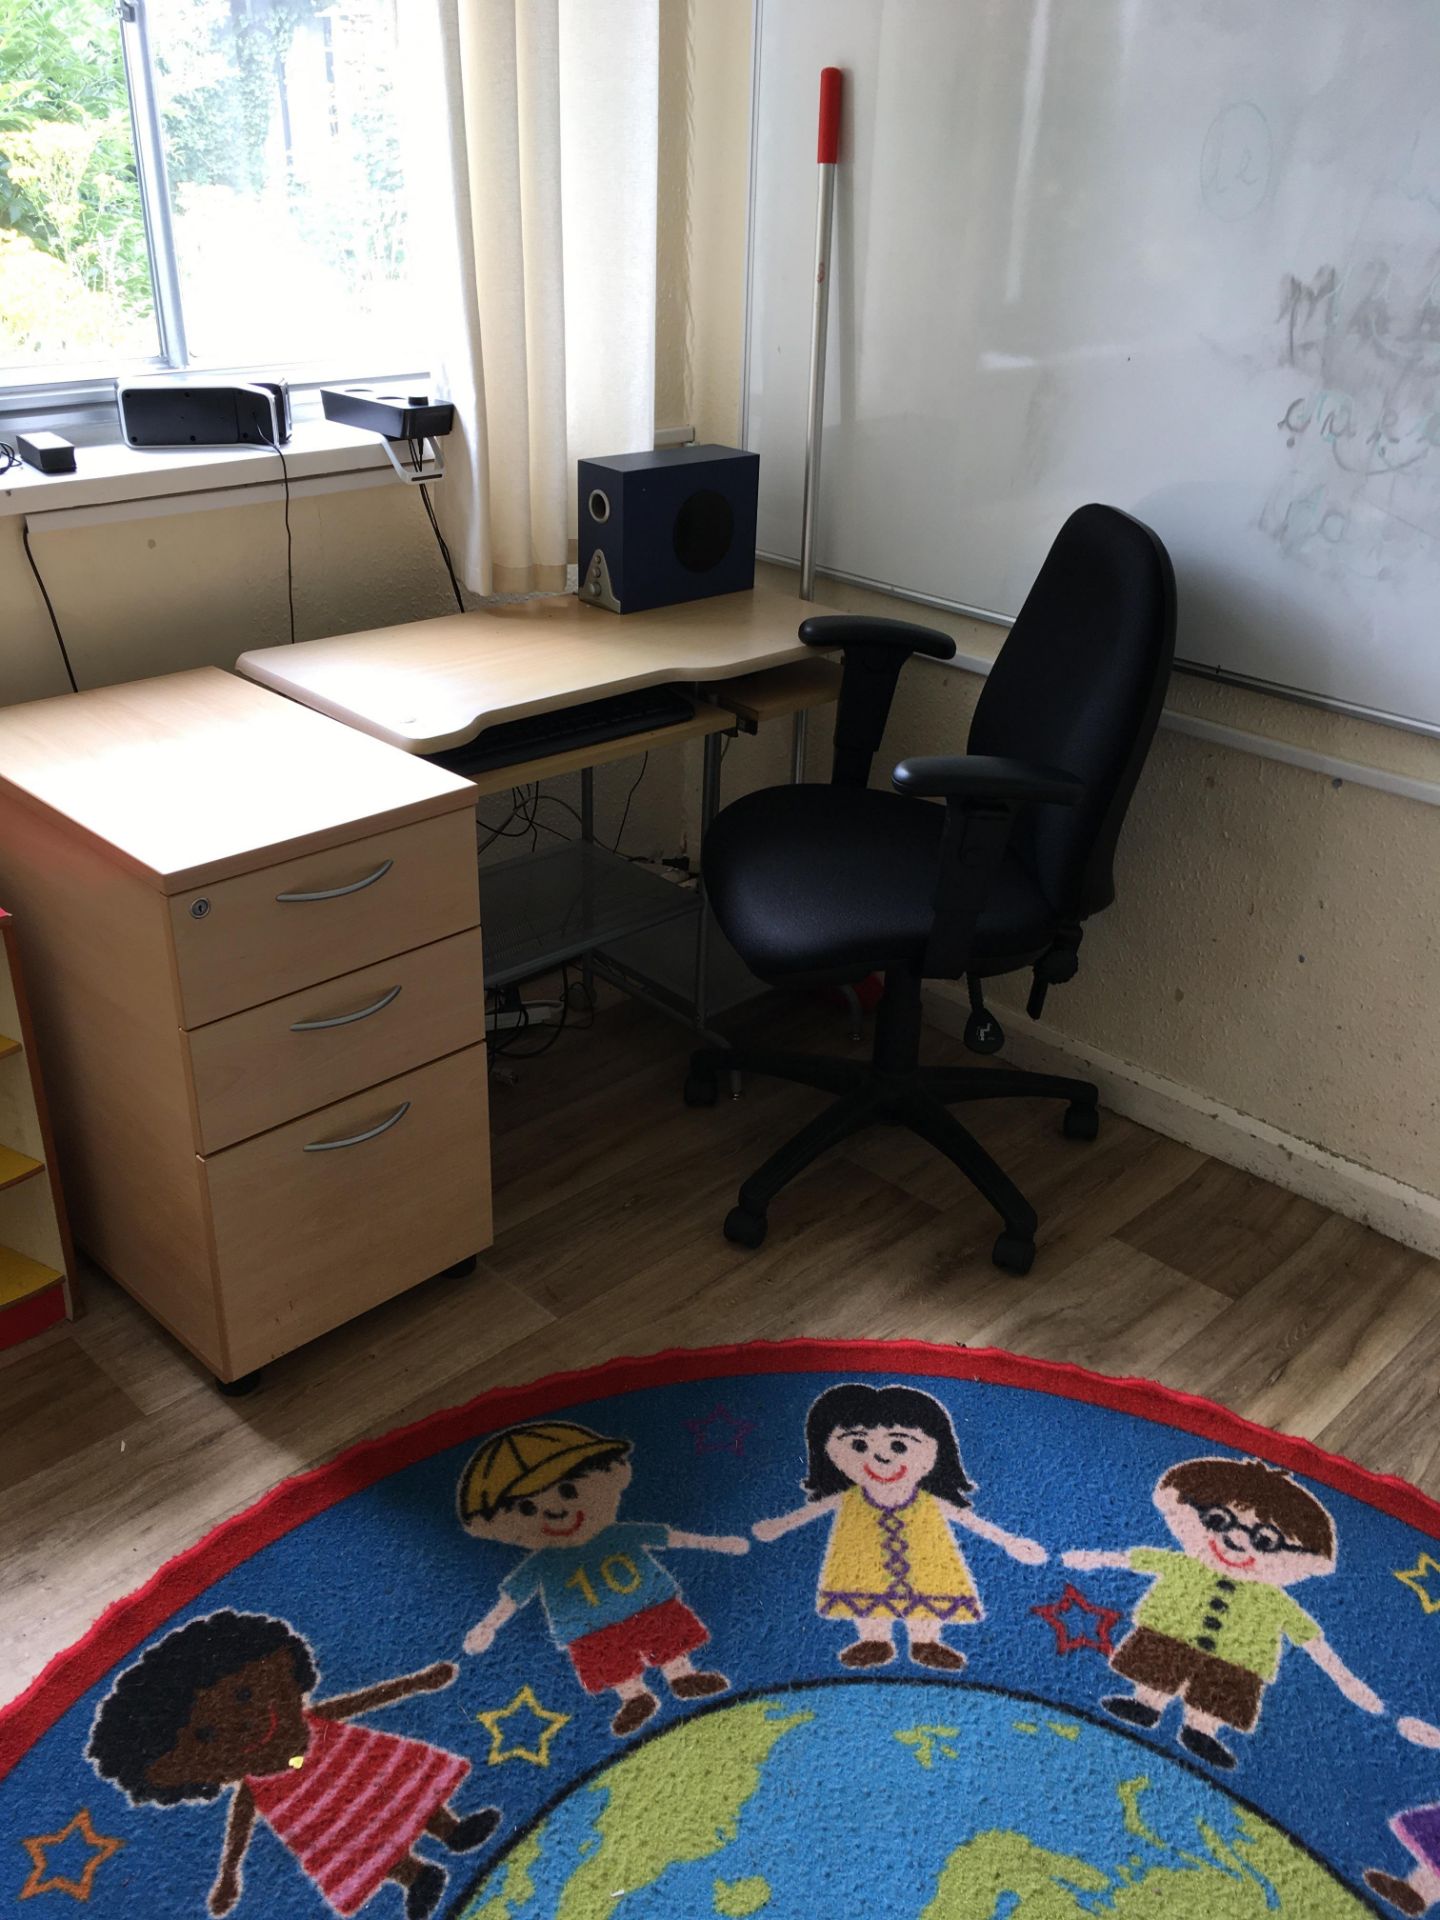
819 884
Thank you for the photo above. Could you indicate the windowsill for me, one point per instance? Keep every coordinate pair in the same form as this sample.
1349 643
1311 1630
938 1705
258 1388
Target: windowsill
321 456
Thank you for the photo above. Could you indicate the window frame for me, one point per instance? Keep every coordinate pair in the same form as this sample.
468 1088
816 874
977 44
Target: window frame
83 397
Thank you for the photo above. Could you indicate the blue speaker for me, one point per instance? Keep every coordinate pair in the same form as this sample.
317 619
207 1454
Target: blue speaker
675 524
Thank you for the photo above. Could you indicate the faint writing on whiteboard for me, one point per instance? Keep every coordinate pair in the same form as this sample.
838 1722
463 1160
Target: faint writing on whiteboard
1360 439
1378 317
1236 161
1342 531
1362 431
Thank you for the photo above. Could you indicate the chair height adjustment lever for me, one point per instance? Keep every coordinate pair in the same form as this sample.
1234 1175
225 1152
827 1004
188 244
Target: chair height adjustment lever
983 1032
1059 962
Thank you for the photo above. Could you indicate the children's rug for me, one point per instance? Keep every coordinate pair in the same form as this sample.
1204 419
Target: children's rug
812 1631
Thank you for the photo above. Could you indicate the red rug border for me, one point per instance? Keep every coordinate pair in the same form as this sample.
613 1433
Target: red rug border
183 1578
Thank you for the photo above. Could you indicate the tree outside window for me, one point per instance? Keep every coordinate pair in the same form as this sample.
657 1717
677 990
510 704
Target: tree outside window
285 193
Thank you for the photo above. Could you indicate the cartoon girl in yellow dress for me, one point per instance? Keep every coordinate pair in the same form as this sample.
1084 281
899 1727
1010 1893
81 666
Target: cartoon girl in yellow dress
884 1464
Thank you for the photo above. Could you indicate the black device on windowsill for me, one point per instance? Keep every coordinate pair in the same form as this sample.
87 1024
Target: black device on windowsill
192 412
393 415
46 452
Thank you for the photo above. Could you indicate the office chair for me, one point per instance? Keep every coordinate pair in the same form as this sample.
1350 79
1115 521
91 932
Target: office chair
822 885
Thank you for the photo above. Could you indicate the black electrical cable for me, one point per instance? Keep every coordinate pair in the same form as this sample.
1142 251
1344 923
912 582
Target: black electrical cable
289 542
504 830
628 798
554 800
505 1042
49 605
444 550
417 454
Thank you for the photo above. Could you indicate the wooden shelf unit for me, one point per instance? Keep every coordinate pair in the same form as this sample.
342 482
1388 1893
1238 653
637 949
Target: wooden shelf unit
35 1252
20 1276
16 1166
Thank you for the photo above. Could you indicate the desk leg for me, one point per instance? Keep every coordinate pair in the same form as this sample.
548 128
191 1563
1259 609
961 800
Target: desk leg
709 807
587 833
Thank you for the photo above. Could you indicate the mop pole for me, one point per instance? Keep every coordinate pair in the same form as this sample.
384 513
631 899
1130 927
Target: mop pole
827 154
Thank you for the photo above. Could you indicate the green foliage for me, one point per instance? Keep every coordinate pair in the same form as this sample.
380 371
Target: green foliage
75 270
245 153
218 74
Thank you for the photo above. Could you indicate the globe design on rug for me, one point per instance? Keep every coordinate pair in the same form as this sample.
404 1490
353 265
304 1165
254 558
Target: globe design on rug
809 1631
1009 1809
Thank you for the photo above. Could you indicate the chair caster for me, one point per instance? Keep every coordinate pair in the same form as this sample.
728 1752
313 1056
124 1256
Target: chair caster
236 1389
1013 1254
700 1089
1080 1122
746 1229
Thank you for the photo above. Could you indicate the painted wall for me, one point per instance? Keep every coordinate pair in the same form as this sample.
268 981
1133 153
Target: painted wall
1275 946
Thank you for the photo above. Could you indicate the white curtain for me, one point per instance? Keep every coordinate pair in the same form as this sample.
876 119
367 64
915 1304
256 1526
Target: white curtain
531 160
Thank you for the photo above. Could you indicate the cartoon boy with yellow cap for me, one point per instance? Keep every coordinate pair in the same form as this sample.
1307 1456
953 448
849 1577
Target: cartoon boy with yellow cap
555 1488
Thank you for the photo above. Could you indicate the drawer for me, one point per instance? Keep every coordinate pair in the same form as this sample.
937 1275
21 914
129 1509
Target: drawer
266 933
325 1217
256 1069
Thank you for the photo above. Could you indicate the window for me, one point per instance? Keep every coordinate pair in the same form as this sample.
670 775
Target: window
200 184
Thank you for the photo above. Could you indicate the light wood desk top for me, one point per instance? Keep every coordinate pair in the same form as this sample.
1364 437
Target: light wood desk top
435 684
192 777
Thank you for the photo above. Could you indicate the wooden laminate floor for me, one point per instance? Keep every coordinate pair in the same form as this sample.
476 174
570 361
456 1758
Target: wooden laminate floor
1154 1260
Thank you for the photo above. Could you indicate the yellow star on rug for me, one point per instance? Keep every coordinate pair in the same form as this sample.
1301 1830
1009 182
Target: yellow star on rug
1415 1578
523 1703
42 1881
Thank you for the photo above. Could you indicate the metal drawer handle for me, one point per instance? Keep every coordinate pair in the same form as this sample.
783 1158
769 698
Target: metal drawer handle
335 893
346 1019
358 1139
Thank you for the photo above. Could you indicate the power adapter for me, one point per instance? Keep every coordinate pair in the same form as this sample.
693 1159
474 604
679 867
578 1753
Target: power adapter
46 452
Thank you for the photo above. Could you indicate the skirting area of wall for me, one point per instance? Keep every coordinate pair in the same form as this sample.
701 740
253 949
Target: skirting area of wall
1182 1113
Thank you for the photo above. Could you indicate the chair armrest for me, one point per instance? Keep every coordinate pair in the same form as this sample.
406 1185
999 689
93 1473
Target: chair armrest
875 651
854 629
981 777
983 795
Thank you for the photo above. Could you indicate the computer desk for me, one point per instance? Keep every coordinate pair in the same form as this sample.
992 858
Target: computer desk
431 685
258 957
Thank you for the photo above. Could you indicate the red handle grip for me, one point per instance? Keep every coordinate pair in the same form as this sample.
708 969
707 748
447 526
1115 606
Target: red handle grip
831 84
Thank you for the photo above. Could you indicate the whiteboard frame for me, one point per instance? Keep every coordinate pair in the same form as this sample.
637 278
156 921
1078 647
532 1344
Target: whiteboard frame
1252 683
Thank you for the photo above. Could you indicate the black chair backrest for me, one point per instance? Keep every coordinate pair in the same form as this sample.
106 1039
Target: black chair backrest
1079 685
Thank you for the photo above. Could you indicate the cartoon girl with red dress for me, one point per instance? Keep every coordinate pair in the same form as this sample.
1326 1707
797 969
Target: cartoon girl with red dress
225 1702
885 1470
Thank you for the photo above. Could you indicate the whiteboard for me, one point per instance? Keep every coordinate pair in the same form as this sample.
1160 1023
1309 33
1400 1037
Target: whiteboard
1182 256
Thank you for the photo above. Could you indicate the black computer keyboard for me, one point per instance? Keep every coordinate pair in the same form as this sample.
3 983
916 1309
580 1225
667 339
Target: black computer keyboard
541 734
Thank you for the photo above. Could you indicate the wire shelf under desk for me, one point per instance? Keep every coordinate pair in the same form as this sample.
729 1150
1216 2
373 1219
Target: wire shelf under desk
541 909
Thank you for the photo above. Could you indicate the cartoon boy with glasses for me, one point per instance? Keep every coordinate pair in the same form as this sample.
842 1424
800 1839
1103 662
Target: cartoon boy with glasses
1212 1627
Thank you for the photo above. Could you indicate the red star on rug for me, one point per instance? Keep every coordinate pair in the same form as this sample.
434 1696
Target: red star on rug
43 1881
1106 1619
721 1431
